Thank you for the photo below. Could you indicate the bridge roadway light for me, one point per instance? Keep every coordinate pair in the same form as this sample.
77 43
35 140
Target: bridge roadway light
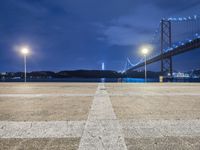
25 51
145 52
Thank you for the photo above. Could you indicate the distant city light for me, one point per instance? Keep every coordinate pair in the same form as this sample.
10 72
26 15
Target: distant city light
103 66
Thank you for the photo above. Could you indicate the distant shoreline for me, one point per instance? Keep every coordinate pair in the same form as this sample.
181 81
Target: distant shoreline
128 80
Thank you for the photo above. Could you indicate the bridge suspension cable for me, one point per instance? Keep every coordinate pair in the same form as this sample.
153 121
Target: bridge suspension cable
184 32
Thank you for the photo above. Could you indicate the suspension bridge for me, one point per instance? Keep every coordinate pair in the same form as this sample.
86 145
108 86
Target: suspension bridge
173 36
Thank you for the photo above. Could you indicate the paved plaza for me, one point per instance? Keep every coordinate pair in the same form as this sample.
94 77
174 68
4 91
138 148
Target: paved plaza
99 116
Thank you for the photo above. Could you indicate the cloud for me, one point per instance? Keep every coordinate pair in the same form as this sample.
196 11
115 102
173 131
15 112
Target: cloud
139 26
177 5
133 28
119 35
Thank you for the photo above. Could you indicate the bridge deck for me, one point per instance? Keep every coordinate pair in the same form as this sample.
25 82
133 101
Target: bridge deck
176 51
105 116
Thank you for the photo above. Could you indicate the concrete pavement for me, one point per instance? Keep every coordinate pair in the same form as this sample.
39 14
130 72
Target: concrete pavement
99 116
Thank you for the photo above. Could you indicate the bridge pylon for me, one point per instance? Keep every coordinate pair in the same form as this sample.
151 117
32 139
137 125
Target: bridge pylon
166 42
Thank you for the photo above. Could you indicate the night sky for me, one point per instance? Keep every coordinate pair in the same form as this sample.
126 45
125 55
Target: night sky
81 34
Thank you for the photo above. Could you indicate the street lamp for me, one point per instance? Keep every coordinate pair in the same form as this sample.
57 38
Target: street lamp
145 51
25 52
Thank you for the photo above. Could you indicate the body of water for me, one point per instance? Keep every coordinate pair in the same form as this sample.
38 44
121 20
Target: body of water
125 80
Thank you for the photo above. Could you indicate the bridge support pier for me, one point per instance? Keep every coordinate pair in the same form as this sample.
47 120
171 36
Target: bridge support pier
171 67
167 67
166 42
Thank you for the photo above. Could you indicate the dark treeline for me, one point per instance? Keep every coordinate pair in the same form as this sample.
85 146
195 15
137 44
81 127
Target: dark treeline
86 74
80 74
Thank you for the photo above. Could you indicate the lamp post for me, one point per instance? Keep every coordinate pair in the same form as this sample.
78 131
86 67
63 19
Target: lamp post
25 52
145 51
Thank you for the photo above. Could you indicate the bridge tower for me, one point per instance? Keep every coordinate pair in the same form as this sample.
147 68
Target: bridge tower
166 42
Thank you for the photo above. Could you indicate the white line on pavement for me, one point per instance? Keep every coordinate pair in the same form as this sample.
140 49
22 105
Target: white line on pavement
155 94
102 129
50 129
92 95
99 127
45 95
160 128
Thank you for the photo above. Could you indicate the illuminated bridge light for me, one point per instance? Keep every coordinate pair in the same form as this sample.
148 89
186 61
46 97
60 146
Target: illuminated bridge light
190 40
173 19
174 46
169 49
180 19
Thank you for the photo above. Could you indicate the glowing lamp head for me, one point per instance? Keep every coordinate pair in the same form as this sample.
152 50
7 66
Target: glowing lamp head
24 51
145 51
